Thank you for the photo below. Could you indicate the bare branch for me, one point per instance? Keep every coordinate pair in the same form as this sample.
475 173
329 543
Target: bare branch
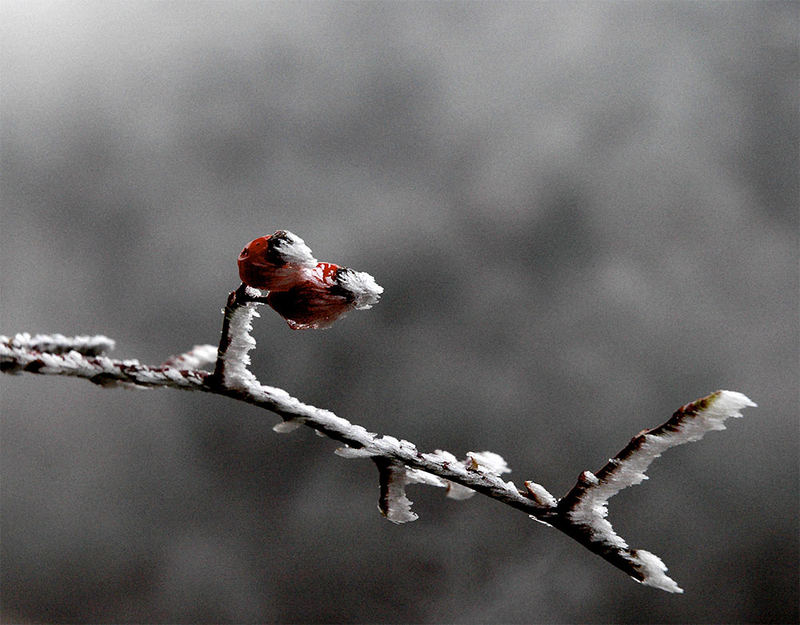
581 513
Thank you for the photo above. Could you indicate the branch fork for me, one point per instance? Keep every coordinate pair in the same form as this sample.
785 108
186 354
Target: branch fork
581 513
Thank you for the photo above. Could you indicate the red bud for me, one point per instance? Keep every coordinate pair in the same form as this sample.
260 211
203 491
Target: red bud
309 295
315 302
275 262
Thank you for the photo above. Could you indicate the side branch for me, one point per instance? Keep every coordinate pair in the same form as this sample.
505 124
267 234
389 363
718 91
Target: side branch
581 513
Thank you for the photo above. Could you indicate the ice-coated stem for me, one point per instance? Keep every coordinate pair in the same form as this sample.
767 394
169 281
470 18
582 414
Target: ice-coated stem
581 513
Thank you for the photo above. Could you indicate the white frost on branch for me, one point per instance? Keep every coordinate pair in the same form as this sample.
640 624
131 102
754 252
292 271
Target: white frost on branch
486 464
417 476
60 344
236 358
455 490
587 503
581 514
488 461
393 502
354 452
199 357
628 468
541 495
98 369
288 426
653 571
459 492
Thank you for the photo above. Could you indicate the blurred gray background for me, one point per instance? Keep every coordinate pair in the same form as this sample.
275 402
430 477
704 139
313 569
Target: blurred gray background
584 216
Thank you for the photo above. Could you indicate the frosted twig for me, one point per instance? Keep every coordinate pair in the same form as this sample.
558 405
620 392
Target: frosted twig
585 506
581 513
60 344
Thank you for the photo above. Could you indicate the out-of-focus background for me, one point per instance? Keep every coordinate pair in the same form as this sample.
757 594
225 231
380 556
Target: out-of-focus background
584 216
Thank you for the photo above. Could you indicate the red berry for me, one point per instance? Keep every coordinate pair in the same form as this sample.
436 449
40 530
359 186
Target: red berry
315 302
309 295
275 262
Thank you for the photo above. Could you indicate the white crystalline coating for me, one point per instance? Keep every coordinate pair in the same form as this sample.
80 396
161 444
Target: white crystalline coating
454 490
293 249
417 476
398 509
99 369
440 456
355 452
284 427
408 445
541 494
360 433
173 374
590 478
654 571
726 404
277 394
593 510
394 504
629 469
199 357
488 461
585 505
373 446
237 358
458 492
362 286
333 422
58 343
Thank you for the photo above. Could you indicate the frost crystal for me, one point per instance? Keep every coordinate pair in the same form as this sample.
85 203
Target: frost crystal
587 503
416 476
60 344
541 495
355 452
440 456
237 358
199 357
366 292
653 571
293 249
581 513
290 425
393 502
628 468
458 492
488 461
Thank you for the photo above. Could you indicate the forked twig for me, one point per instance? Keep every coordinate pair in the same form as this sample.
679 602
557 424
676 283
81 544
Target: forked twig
581 513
